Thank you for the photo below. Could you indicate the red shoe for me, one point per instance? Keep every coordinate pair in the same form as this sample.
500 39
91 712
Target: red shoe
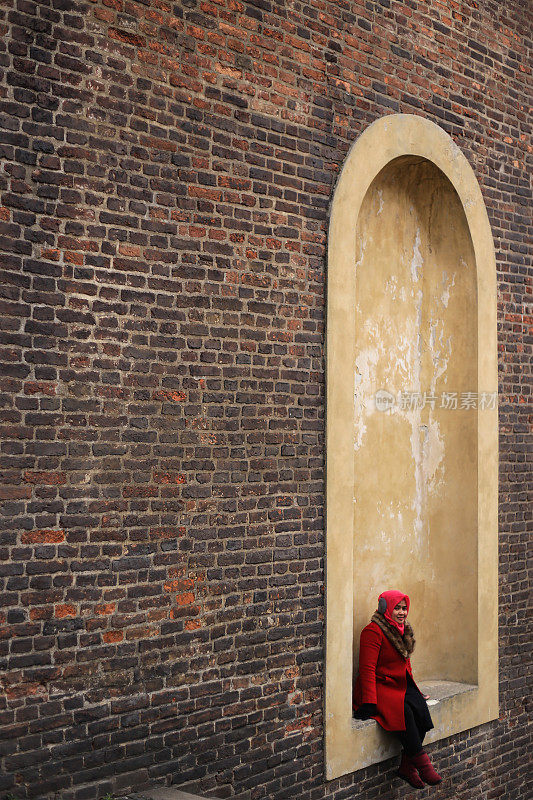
407 772
426 769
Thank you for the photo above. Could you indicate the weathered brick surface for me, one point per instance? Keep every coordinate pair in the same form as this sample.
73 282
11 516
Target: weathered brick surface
166 174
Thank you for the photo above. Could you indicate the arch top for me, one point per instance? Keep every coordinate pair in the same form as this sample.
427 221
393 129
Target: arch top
397 135
385 140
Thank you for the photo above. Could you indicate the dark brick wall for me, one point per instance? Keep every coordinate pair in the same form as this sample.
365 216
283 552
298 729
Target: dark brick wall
164 189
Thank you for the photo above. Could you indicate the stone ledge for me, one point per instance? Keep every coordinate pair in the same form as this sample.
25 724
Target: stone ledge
437 690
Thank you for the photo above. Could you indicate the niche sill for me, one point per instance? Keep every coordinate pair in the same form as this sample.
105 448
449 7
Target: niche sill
454 707
438 691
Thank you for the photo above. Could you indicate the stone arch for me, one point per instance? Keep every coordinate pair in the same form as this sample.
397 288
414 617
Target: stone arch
412 309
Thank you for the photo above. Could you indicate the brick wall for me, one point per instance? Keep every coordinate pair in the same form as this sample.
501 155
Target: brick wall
164 189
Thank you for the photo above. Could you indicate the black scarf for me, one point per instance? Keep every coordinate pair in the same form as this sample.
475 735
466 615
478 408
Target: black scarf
404 644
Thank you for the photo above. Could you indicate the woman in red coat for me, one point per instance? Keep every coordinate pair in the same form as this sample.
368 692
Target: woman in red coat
385 689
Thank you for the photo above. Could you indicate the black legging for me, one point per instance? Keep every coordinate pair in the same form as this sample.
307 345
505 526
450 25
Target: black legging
413 735
417 720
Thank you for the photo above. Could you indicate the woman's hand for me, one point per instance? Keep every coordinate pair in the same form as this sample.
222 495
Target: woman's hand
366 711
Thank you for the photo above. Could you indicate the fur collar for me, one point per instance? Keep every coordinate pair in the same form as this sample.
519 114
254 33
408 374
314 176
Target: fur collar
404 644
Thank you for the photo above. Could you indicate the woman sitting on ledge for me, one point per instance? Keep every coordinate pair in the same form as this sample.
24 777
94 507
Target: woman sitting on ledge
385 689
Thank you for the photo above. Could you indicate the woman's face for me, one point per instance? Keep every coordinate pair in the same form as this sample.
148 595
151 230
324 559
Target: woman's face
399 612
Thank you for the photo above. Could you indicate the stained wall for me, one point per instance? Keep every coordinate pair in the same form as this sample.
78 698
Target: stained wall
416 476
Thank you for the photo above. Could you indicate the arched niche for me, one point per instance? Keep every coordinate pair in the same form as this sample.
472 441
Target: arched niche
411 479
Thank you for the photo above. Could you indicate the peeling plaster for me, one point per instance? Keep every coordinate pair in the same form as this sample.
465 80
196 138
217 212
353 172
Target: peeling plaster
448 286
406 345
365 364
417 261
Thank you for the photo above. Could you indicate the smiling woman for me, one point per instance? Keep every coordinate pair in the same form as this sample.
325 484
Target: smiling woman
398 613
411 478
385 689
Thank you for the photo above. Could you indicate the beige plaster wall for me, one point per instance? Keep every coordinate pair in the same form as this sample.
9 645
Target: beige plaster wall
415 468
411 498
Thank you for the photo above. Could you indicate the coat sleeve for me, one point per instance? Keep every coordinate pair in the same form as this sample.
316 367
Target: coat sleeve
370 644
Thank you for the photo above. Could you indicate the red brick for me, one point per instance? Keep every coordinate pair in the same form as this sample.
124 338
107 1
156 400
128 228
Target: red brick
47 478
43 537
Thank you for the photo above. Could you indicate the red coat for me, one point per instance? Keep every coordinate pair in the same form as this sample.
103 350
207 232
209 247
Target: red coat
382 678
